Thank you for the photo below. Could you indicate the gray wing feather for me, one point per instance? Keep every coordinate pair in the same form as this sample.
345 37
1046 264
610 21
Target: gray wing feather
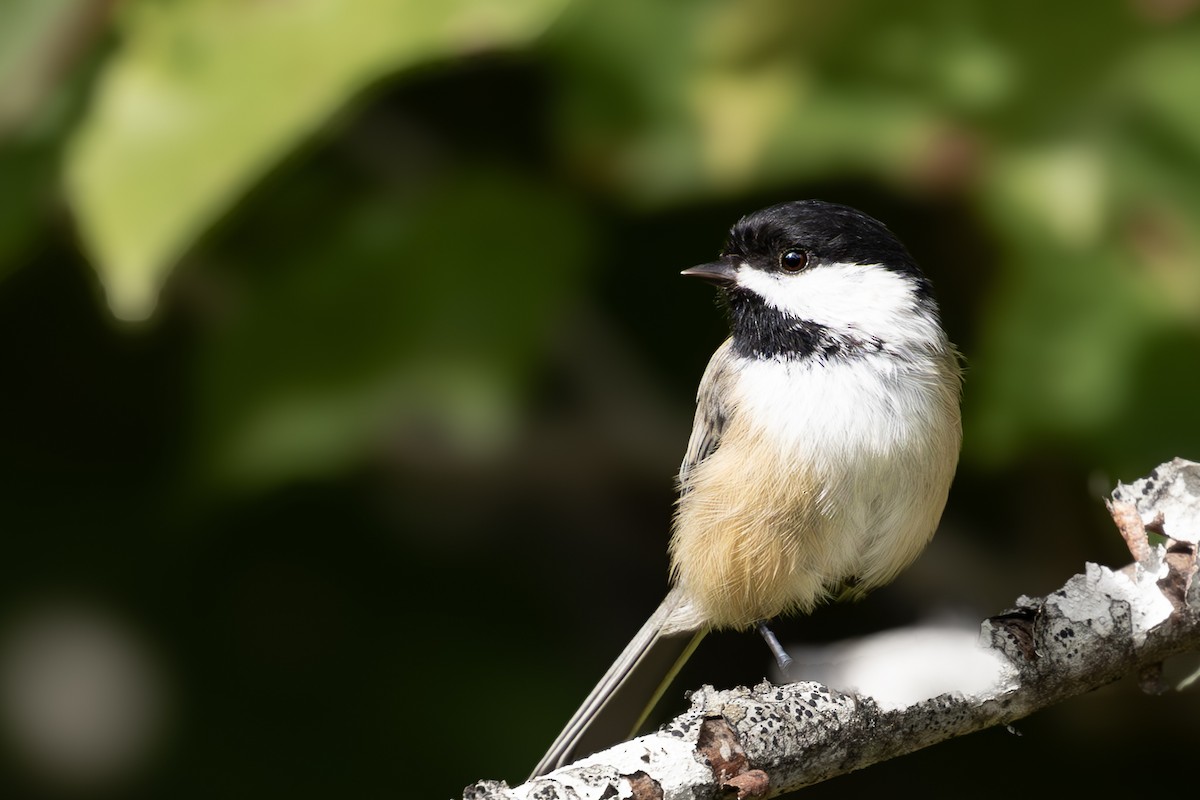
712 412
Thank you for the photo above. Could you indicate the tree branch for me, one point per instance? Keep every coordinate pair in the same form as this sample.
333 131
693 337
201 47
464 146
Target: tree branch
761 742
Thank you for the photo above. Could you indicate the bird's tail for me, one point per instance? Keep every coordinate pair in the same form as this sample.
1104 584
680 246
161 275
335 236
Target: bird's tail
628 692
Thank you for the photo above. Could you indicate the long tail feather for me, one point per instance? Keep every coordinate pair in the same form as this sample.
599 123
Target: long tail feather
629 691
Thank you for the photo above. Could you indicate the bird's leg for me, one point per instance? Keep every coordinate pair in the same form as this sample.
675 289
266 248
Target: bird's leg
781 656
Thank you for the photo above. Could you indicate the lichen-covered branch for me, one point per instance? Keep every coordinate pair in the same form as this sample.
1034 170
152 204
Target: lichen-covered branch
760 742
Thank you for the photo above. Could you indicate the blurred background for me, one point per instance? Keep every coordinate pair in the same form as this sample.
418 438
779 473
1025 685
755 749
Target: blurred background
347 366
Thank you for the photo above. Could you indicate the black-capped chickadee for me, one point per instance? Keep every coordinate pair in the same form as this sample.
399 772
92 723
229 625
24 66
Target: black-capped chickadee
826 436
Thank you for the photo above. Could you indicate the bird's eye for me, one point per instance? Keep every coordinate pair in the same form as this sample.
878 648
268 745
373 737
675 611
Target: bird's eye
793 260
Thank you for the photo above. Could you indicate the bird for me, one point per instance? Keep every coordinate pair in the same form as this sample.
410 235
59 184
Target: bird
826 437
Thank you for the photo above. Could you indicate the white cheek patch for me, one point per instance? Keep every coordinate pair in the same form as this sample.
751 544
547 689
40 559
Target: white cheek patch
867 299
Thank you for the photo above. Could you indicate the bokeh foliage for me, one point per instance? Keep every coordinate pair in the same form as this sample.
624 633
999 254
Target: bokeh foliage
1077 167
365 249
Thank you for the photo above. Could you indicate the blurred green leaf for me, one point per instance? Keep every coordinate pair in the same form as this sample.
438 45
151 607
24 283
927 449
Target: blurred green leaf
204 96
399 318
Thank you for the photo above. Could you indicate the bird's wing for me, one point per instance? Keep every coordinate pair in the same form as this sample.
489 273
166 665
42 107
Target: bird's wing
712 412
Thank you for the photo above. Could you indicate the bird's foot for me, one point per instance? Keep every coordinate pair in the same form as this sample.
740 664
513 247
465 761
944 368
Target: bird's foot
781 657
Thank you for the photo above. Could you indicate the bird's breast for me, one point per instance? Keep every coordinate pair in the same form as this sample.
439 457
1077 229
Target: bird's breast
826 471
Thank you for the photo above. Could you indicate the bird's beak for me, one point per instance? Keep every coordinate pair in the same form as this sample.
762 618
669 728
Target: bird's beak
722 272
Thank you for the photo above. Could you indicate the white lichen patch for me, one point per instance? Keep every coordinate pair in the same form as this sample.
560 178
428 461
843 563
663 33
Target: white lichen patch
1089 599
